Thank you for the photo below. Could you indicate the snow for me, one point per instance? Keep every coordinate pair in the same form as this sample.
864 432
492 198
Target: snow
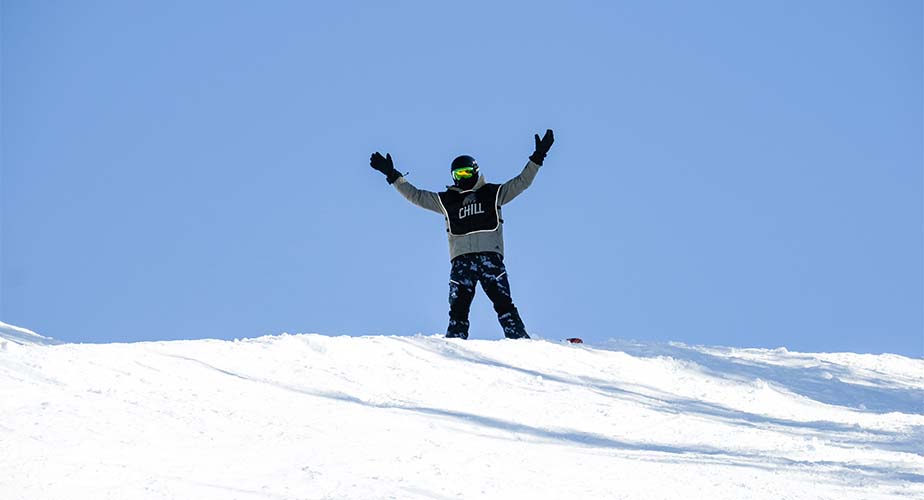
318 417
10 334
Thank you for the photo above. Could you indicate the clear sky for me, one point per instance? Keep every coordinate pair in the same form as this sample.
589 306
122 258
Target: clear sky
724 172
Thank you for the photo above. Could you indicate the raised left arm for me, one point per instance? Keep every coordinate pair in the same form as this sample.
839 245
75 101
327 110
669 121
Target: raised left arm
512 188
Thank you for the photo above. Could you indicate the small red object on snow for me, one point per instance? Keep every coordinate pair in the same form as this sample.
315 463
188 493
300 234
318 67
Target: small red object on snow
575 340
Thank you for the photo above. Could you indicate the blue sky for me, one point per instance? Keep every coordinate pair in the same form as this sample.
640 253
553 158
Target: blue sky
736 173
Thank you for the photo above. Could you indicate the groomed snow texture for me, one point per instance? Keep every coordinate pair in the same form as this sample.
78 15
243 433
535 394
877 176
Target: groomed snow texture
317 417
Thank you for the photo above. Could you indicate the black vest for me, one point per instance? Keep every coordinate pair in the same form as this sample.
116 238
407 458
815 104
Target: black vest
471 211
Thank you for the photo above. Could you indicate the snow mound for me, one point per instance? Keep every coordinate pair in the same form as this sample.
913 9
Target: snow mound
314 417
21 336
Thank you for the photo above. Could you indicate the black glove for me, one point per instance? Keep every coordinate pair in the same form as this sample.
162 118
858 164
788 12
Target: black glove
385 165
542 147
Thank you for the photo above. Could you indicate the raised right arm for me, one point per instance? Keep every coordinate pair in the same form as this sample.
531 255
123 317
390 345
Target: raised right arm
420 197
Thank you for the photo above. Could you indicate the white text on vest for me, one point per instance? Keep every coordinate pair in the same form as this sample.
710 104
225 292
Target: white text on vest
473 209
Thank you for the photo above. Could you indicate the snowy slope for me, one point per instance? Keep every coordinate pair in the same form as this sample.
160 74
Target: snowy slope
315 417
21 336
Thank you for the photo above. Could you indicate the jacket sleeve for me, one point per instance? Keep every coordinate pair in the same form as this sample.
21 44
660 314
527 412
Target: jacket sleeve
419 197
512 188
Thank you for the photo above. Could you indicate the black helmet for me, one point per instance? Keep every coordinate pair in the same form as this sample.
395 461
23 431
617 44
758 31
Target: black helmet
465 161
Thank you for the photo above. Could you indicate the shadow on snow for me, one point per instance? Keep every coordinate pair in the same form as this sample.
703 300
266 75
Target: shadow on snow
700 454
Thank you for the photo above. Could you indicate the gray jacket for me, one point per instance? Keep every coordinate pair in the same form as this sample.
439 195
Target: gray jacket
485 241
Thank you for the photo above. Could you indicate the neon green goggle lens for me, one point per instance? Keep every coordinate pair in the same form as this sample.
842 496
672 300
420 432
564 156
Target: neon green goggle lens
463 173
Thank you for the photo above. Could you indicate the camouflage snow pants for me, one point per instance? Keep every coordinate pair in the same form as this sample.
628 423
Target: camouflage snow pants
487 268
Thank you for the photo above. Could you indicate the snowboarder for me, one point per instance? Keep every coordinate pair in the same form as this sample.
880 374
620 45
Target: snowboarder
472 210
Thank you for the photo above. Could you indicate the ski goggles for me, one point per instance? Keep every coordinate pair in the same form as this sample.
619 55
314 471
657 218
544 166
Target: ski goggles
463 173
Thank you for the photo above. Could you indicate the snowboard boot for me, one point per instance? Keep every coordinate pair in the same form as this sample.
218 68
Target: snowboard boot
512 324
457 329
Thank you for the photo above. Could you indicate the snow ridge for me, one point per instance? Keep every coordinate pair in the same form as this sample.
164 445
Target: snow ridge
315 417
21 336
